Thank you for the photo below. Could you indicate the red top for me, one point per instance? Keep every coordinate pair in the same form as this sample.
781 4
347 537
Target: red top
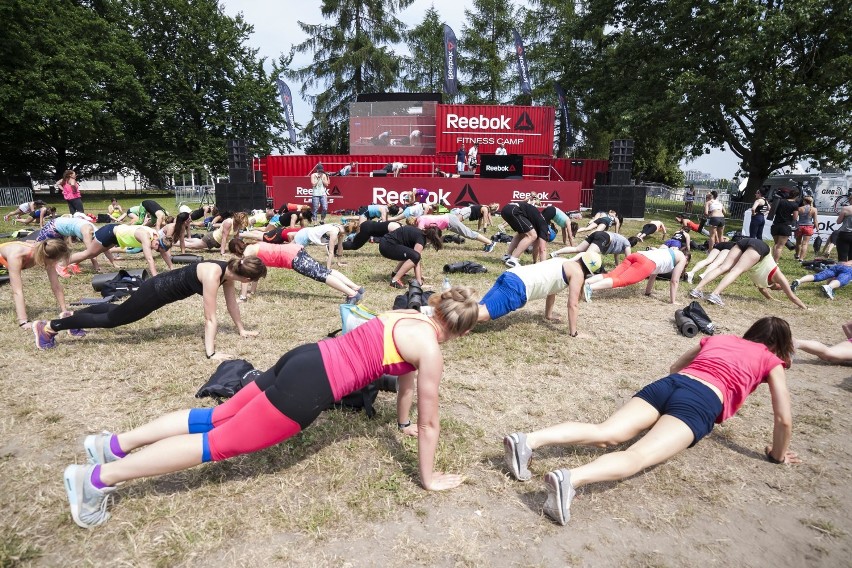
735 366
691 225
278 256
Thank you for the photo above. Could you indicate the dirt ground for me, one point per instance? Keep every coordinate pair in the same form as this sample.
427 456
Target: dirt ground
345 493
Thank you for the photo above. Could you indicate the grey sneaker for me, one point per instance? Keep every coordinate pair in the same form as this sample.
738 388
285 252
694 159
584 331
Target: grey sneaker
517 456
697 294
489 247
88 504
505 257
829 291
97 448
587 292
560 493
512 263
794 285
356 299
715 299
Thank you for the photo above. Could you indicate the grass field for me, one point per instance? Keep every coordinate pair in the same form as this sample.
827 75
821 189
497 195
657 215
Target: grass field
345 491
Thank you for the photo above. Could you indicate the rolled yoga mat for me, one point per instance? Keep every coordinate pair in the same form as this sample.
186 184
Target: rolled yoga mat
100 279
685 325
186 258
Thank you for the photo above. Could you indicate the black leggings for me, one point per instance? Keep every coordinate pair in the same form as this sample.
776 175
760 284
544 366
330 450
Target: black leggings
365 231
142 302
396 251
844 245
75 205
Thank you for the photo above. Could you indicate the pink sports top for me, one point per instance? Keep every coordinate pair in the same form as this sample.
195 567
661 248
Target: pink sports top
440 221
354 360
278 256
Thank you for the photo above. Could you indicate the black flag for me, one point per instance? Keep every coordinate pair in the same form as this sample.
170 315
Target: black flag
563 105
451 58
287 103
523 72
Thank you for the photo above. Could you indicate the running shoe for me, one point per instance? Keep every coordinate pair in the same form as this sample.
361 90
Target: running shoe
43 338
829 291
98 448
77 332
587 292
794 285
397 284
511 262
356 299
489 247
689 276
560 493
88 504
505 257
517 456
696 293
74 268
715 299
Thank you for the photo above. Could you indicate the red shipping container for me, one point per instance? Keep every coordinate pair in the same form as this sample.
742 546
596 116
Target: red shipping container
524 130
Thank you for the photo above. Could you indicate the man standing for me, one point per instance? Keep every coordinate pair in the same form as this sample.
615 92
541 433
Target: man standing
501 150
319 192
473 157
460 156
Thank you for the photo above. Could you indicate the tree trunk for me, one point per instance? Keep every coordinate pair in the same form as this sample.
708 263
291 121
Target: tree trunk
61 166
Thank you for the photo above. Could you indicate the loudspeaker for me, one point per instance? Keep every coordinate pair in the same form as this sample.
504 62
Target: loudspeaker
238 154
258 176
600 178
619 177
239 175
628 201
620 156
243 196
379 173
467 174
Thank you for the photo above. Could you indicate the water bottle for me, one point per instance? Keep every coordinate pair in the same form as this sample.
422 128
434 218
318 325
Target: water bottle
446 285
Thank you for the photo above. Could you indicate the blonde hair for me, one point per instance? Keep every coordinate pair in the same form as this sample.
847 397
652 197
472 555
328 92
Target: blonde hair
51 250
352 226
240 221
809 200
456 309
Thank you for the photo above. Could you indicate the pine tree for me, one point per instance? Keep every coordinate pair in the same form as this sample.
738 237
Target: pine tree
424 68
487 52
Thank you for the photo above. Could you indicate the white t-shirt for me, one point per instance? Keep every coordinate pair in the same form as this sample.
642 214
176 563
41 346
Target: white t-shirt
664 259
542 279
500 151
317 235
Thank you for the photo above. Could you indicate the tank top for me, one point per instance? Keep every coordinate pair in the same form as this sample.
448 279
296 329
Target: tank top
319 187
763 209
440 221
315 235
761 273
183 283
355 359
805 219
278 256
542 279
71 227
27 261
664 259
617 243
125 235
139 211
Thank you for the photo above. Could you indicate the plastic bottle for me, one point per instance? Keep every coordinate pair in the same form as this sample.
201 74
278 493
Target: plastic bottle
446 285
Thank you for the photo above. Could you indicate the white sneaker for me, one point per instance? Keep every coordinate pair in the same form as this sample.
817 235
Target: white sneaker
512 262
88 504
689 276
560 494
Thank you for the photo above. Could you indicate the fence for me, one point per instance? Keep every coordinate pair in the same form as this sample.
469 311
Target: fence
194 193
14 196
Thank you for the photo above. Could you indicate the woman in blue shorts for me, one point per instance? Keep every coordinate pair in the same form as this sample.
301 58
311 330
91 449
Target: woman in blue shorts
839 274
707 385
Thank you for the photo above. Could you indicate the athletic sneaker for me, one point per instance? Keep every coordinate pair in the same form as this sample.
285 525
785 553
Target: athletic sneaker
794 285
689 276
397 284
74 268
554 254
587 292
77 332
43 338
489 247
505 257
356 299
829 291
88 504
560 493
696 293
512 263
715 299
517 456
98 448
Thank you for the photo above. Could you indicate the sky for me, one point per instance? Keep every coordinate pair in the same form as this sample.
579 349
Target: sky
276 30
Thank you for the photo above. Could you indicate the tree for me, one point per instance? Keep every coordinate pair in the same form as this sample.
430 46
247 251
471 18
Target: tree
424 68
487 51
350 56
771 80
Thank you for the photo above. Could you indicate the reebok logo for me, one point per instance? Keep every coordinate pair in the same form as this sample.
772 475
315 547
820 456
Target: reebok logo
334 191
466 197
491 168
482 122
524 122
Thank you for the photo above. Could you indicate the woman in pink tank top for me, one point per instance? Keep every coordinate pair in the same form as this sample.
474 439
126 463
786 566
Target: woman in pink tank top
707 385
284 400
294 257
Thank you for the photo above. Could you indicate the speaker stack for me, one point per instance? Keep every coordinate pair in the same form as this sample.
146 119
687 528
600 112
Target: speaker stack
245 190
618 194
620 162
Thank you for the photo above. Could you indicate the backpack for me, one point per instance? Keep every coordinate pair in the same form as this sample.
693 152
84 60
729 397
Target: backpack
123 284
466 267
227 380
696 313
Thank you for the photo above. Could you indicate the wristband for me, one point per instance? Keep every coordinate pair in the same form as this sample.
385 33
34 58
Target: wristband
23 323
401 426
208 356
771 459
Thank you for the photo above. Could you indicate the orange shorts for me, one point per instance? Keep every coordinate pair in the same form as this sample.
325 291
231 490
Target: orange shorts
805 231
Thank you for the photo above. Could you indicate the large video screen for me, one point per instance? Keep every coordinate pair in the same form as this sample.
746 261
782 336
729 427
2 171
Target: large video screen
398 128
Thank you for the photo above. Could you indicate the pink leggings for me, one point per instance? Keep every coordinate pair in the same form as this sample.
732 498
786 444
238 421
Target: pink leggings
635 268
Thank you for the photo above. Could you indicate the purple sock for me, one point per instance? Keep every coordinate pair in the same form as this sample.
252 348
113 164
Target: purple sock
96 478
115 448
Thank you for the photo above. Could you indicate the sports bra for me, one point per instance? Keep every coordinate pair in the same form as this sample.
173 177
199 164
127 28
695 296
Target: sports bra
29 257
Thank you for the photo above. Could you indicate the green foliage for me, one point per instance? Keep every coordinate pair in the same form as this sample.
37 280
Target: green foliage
424 69
487 52
350 56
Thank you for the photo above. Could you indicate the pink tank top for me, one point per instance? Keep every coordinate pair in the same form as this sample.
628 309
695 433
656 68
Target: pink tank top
354 360
278 256
440 221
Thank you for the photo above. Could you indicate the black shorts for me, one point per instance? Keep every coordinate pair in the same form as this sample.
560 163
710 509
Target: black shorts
781 230
106 236
649 229
601 239
716 221
761 247
396 251
516 219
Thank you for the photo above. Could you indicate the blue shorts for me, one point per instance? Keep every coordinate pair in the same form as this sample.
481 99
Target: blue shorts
106 236
507 295
839 272
688 400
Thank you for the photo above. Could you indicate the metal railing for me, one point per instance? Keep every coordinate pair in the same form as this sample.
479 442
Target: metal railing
14 196
192 193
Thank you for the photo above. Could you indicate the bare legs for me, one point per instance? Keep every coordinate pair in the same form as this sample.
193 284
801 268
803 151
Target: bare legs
780 241
341 283
731 259
520 243
582 247
840 353
746 260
